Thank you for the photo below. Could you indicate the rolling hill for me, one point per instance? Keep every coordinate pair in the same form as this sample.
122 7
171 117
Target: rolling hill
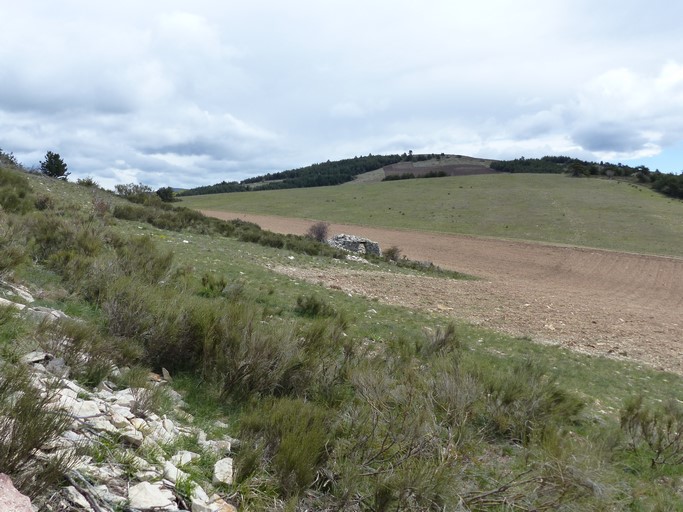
590 212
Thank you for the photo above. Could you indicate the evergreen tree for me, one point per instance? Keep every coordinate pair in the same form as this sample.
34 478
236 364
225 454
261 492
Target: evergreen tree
54 166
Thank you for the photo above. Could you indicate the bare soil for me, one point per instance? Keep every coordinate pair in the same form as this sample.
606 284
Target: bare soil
601 302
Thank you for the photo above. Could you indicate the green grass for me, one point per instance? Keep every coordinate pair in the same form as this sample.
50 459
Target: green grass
599 213
602 381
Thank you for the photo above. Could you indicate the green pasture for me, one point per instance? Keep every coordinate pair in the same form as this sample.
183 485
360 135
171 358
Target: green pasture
591 212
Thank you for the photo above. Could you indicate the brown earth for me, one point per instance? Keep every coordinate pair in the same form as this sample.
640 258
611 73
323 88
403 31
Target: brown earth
601 302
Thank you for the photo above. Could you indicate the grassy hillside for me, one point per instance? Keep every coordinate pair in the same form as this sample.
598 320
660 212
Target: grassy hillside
548 208
339 403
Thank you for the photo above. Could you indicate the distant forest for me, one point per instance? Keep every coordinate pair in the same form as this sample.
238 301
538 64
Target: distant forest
316 175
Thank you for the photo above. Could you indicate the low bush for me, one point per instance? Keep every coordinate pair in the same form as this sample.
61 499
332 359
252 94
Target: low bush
524 400
289 436
656 429
393 253
319 231
89 356
12 243
15 192
27 422
313 306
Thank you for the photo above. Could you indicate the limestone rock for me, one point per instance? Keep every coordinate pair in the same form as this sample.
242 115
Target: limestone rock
76 498
184 457
222 471
145 496
173 474
9 303
11 499
43 314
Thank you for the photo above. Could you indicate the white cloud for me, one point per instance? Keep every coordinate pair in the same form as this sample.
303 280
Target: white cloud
189 94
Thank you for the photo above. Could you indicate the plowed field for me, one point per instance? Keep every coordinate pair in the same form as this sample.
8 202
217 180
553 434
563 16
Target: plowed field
602 302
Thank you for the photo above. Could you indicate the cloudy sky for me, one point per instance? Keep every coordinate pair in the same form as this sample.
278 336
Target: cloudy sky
187 93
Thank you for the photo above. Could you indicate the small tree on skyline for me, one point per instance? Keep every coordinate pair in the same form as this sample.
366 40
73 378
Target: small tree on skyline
54 166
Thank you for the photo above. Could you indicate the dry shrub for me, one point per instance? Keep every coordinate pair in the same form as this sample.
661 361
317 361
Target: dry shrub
319 231
27 423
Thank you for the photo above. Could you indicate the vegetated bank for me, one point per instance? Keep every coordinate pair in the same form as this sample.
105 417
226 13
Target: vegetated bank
336 407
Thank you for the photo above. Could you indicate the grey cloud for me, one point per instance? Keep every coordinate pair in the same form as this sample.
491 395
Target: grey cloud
606 137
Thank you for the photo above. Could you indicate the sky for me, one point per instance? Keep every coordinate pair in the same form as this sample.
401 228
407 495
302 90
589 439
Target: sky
183 94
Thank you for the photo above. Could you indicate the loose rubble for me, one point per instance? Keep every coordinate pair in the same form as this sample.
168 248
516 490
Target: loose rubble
146 480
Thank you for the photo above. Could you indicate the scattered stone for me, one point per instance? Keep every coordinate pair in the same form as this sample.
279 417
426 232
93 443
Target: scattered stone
17 289
184 457
132 436
9 303
36 356
222 471
146 496
11 499
173 474
76 498
166 375
43 314
58 367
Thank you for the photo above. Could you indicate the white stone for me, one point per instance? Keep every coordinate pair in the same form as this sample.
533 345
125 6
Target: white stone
37 356
85 408
123 411
9 303
169 426
147 496
75 387
199 494
184 457
124 398
139 424
76 498
132 436
107 496
173 474
102 424
222 471
19 290
119 421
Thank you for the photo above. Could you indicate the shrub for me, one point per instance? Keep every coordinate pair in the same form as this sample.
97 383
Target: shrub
313 306
319 231
44 202
88 181
524 400
12 246
101 207
134 192
89 356
659 429
139 256
15 192
212 286
166 194
291 436
393 253
27 423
